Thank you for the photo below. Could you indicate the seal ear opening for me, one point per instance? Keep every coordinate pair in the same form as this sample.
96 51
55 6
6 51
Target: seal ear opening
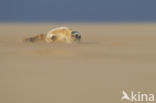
53 38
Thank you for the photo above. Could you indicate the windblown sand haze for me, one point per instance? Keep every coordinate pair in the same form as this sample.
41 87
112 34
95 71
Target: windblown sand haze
109 59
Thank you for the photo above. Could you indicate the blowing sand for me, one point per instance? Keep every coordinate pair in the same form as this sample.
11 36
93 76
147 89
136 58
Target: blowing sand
111 58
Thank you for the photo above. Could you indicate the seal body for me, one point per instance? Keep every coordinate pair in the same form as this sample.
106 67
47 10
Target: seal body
59 34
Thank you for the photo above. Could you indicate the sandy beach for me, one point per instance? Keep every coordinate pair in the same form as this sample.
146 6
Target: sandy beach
110 58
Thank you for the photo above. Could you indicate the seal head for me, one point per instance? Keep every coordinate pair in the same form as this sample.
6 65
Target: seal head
76 36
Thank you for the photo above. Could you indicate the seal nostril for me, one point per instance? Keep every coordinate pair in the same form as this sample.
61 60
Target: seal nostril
79 37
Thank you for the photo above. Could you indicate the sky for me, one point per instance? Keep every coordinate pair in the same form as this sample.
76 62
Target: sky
78 10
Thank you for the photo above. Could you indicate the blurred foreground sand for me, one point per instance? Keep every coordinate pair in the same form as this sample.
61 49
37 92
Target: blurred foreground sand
110 58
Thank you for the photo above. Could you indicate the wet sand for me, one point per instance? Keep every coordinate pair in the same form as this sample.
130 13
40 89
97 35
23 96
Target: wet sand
110 58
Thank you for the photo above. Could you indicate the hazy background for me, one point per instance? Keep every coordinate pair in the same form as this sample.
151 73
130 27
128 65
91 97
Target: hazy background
77 10
110 58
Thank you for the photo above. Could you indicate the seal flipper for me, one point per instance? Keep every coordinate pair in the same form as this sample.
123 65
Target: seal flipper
40 37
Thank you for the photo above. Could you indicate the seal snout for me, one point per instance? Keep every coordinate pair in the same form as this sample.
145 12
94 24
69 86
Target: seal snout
76 35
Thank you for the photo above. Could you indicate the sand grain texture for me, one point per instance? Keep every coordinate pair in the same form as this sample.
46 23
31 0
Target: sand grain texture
110 58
